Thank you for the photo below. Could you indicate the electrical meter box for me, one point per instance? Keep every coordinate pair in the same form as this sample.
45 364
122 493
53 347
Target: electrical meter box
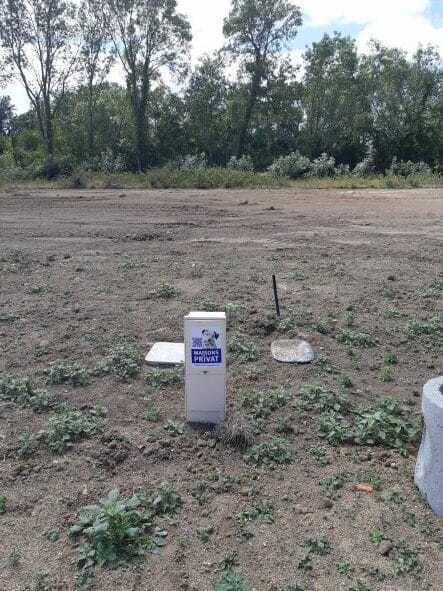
205 367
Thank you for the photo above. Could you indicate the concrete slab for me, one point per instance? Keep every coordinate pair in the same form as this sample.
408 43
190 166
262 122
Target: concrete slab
166 354
292 351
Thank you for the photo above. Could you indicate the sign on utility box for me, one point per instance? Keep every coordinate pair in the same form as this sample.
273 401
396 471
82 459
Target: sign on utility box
205 367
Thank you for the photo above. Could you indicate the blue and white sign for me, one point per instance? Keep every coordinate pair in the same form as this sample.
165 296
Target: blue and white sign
205 347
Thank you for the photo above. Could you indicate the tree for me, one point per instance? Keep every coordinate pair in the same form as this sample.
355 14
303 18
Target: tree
37 37
149 35
336 106
206 101
95 59
257 31
6 115
405 97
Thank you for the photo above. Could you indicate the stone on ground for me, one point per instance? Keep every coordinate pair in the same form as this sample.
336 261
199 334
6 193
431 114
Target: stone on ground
292 351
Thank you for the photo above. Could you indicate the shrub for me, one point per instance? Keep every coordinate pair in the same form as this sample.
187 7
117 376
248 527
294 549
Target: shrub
275 451
342 170
67 427
194 162
116 531
294 166
384 424
54 167
238 433
367 165
244 163
323 166
111 163
409 168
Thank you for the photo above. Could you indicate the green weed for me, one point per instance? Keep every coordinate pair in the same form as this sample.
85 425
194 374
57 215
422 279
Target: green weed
21 391
323 399
242 350
60 372
392 313
385 424
406 560
390 358
2 504
166 501
166 291
320 455
345 568
320 546
124 360
433 328
259 511
332 484
334 429
377 536
68 426
386 375
115 531
152 414
164 378
231 580
261 403
174 429
275 451
352 338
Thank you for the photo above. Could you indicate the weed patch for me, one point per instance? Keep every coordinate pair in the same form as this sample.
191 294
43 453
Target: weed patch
60 372
261 403
352 338
385 424
275 451
124 361
163 378
22 392
242 350
67 427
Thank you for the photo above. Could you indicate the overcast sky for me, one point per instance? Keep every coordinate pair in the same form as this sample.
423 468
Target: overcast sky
399 23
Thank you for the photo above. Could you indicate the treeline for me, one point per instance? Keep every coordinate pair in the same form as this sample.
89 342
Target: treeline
340 111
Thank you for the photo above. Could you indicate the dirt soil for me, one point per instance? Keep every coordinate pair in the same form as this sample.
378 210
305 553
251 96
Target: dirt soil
78 273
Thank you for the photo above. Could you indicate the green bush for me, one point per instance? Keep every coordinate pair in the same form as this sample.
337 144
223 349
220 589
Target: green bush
293 166
244 163
334 429
242 350
350 337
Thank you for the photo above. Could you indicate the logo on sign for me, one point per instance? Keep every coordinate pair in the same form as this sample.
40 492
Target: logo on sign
205 348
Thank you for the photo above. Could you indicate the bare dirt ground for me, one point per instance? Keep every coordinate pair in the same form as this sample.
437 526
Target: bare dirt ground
77 272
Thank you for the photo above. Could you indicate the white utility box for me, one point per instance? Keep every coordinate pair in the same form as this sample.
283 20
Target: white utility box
205 367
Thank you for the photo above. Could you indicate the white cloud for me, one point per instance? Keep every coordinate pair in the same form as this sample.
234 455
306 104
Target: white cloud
407 32
324 12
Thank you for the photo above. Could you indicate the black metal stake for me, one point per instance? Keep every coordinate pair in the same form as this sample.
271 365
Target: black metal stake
277 303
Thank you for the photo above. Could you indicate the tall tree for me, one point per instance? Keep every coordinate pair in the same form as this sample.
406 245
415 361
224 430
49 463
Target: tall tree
149 35
206 98
38 38
95 59
405 97
257 31
335 101
6 115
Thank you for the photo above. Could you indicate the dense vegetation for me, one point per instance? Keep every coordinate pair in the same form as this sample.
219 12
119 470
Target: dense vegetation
342 113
